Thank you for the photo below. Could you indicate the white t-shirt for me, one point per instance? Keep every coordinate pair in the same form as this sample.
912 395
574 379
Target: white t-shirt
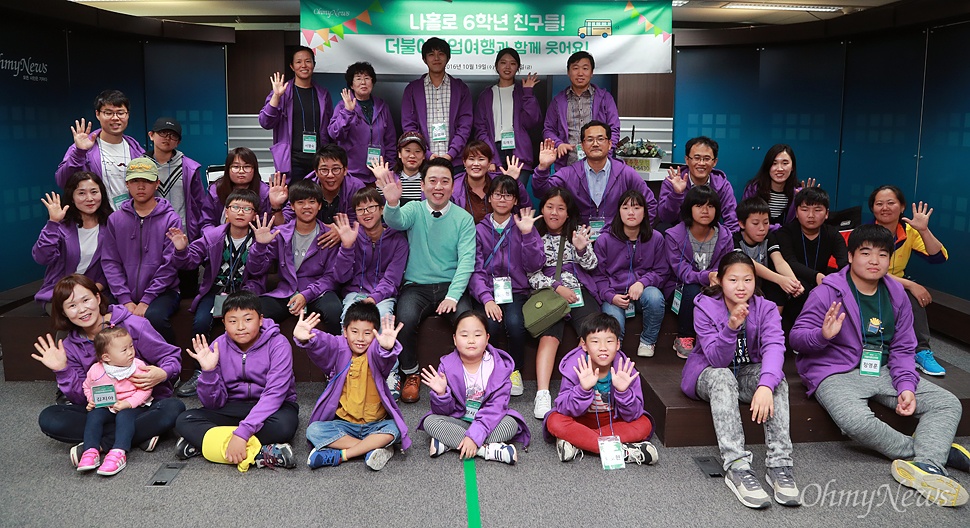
502 110
88 239
114 164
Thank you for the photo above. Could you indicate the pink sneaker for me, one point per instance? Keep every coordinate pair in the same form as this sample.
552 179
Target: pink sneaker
114 462
684 346
90 459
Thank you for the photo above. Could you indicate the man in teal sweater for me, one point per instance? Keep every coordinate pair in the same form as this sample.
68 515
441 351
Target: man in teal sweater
441 260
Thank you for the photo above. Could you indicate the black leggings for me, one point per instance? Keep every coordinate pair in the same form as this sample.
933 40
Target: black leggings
278 428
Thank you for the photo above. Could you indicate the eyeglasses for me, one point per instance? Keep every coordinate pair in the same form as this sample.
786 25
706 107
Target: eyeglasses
323 171
110 114
502 197
241 168
166 134
596 140
241 209
366 210
701 159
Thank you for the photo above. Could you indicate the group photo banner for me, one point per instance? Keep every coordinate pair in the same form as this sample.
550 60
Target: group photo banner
623 37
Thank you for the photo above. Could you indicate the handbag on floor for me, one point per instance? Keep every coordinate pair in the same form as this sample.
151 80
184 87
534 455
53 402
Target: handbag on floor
545 307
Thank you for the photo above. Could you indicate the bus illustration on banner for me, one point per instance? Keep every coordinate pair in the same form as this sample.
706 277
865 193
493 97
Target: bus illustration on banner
596 26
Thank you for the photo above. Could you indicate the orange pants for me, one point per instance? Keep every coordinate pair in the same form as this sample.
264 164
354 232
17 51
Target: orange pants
584 433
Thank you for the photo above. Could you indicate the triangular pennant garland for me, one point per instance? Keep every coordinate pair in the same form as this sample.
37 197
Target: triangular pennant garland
351 25
364 17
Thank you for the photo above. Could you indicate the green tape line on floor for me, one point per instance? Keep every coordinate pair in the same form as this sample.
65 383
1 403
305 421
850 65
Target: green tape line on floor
471 495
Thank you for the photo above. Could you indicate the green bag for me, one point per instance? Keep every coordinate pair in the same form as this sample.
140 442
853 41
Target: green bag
545 307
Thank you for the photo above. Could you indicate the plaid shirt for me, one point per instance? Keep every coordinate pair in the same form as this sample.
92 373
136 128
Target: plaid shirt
579 111
439 102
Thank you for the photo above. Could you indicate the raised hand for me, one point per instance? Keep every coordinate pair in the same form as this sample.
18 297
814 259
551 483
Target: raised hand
83 138
677 180
49 353
263 230
832 324
392 188
329 239
179 239
588 376
526 220
515 167
207 357
581 238
350 102
530 80
278 191
921 217
435 380
304 325
52 201
547 154
738 315
279 87
388 335
381 171
624 377
346 232
809 183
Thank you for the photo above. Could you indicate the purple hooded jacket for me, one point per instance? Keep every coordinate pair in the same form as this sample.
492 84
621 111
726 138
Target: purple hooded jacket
150 347
670 201
751 191
59 248
518 257
621 179
332 355
264 372
616 257
213 208
716 342
351 132
76 159
818 358
526 115
137 256
556 126
378 267
208 249
495 404
680 256
280 121
414 113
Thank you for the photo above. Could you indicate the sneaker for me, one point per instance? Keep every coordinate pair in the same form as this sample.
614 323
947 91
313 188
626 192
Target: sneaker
91 459
61 399
437 448
683 346
149 445
376 459
928 364
499 452
411 392
959 458
543 404
394 384
517 386
76 452
184 450
276 456
645 350
782 482
186 389
323 456
114 462
640 453
745 485
930 481
567 451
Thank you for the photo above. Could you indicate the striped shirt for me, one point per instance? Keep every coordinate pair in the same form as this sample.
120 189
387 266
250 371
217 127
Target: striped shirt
778 204
439 102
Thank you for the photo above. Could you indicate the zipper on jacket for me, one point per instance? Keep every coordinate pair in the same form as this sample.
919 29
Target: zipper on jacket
249 386
141 255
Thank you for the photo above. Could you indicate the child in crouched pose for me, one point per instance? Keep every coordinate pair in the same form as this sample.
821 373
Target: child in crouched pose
600 396
356 414
122 403
470 395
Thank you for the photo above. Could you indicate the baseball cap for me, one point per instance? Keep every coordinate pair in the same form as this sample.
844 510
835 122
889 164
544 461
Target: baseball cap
168 123
411 137
143 168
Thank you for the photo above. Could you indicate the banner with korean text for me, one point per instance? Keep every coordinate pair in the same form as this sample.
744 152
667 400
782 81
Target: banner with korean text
631 37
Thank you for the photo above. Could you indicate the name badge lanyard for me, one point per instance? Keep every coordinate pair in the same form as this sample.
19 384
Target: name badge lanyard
609 412
818 239
313 110
498 246
377 270
631 248
235 260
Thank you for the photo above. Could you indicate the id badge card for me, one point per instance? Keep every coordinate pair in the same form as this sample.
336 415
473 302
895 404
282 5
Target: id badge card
611 452
580 153
118 200
596 225
631 310
508 140
373 155
502 290
309 143
579 298
675 303
217 305
871 361
104 395
360 296
439 132
471 409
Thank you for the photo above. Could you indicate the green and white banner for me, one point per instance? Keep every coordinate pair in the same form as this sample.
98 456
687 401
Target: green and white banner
631 37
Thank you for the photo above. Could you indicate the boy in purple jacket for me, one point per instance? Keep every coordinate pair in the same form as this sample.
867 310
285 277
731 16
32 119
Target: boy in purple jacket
248 393
137 255
600 397
855 342
701 158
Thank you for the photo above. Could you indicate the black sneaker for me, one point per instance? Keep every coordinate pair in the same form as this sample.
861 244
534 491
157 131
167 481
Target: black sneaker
61 399
149 445
186 389
276 456
184 450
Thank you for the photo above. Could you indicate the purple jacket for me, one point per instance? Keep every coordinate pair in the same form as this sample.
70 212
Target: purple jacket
751 190
557 126
716 342
414 113
322 270
213 208
346 193
818 358
460 194
378 267
526 115
76 159
616 257
59 249
280 121
519 256
208 249
264 372
680 256
670 201
495 404
574 401
150 347
137 256
351 132
332 355
622 178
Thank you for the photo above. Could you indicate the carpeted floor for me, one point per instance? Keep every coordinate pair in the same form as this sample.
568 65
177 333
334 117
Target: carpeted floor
842 484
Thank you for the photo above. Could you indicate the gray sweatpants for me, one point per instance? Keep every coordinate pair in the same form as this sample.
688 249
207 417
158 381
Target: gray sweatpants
451 431
846 398
723 390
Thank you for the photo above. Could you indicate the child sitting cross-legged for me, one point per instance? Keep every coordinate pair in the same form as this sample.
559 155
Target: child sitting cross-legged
356 414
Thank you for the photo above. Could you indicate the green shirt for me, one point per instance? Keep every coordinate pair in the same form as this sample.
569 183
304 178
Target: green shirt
877 317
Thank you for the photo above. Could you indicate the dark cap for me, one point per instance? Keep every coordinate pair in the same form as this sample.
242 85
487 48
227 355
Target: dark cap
168 123
411 137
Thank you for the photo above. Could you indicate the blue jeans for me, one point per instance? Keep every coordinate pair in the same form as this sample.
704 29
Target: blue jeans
202 323
385 307
322 434
650 305
512 325
160 311
124 422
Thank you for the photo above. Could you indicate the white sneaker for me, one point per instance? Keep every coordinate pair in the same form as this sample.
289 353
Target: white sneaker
645 350
516 379
566 451
378 458
499 452
543 404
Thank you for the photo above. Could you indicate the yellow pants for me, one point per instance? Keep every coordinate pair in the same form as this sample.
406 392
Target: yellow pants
216 441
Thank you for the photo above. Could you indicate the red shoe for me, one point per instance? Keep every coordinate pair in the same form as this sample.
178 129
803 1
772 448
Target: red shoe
684 346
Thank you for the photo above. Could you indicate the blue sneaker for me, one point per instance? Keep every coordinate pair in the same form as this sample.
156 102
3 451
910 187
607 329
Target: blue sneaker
323 457
928 364
958 458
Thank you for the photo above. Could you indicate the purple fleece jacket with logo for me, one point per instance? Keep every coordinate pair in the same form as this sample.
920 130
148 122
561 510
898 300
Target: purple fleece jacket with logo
526 115
670 201
280 121
556 126
518 257
354 134
137 256
59 248
621 179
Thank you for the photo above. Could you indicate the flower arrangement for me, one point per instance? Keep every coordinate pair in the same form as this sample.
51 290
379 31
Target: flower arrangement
640 149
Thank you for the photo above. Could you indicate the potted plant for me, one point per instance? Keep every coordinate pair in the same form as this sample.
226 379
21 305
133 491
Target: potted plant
641 154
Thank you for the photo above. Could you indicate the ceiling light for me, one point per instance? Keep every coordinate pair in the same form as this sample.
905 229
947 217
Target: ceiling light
679 3
783 7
